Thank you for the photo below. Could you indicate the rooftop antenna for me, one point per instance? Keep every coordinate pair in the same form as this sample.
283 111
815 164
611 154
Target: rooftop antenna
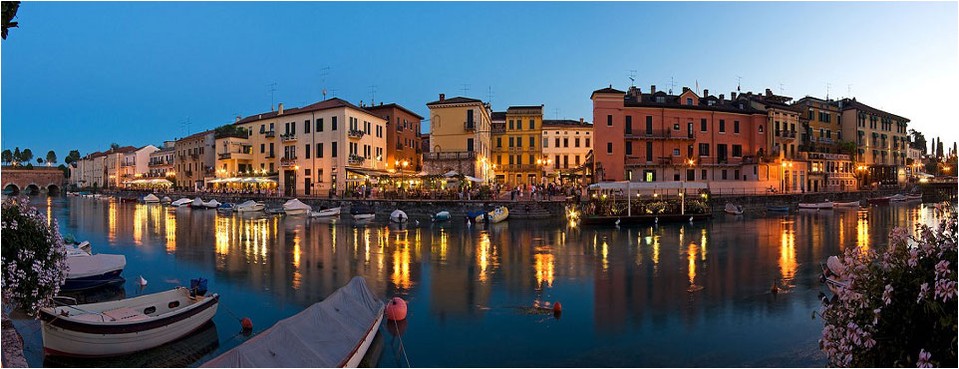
781 89
272 87
739 83
671 85
828 85
372 94
555 113
186 126
325 71
332 92
466 88
489 94
632 77
849 90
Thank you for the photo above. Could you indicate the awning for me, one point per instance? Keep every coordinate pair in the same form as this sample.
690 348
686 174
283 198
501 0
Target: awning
647 186
369 172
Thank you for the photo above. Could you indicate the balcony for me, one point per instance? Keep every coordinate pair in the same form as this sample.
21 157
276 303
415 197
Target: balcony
356 133
271 156
667 134
288 161
289 137
270 134
399 146
786 134
195 156
235 155
469 126
455 155
128 164
522 168
356 160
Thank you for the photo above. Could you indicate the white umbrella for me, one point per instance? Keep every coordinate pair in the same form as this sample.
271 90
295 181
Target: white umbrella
451 173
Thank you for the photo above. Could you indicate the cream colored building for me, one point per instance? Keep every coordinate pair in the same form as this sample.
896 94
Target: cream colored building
322 148
194 160
566 145
161 161
881 139
460 130
135 164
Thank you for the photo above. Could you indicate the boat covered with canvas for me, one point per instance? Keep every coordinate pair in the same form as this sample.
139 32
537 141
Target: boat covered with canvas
125 326
86 270
296 207
833 274
497 215
399 216
850 204
335 332
181 202
816 205
250 206
151 199
212 204
733 209
441 216
326 213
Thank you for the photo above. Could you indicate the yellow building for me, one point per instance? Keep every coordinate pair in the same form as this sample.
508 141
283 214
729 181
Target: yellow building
459 138
882 142
518 155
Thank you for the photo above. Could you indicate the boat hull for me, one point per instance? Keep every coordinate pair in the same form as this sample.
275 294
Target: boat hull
69 338
779 209
818 205
297 211
326 213
354 360
89 282
245 209
363 216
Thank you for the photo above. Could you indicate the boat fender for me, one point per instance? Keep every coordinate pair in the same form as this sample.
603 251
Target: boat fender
246 324
396 309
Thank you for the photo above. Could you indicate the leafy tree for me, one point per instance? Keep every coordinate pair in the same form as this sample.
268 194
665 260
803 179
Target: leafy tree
918 140
9 9
33 270
26 155
72 157
230 130
6 156
65 169
114 146
51 157
39 160
939 148
17 155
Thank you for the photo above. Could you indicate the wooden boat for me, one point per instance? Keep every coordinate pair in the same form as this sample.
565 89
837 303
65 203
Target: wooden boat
441 216
92 270
296 207
181 353
880 200
816 205
777 208
850 204
497 215
182 202
335 332
250 206
124 326
399 216
325 213
733 209
151 199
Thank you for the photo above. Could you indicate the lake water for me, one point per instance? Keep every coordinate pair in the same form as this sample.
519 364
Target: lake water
674 295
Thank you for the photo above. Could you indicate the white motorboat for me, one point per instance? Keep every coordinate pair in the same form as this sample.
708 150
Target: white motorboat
442 216
124 326
850 204
336 332
212 204
250 206
166 200
331 212
197 203
80 249
816 205
497 215
88 270
182 202
733 209
399 216
151 199
296 207
362 213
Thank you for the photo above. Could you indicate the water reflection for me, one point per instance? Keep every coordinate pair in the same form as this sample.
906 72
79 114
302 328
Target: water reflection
621 288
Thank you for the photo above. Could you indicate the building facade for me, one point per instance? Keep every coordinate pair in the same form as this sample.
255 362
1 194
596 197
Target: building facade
136 164
661 137
830 172
882 142
403 152
566 145
195 160
517 143
459 138
161 161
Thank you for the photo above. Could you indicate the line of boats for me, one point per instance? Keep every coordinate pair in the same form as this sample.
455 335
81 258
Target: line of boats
826 205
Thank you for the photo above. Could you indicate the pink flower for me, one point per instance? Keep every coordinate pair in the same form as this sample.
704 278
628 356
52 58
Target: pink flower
923 292
913 257
942 269
945 289
887 294
924 359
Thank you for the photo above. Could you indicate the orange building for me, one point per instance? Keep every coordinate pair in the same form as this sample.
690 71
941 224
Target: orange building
657 136
403 151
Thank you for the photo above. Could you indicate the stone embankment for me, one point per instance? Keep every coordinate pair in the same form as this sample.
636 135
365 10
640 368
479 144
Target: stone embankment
12 346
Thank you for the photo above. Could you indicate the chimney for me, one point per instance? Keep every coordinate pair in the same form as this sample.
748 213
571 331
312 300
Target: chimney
705 92
652 89
237 119
769 92
279 109
685 89
732 95
721 97
580 120
259 116
442 97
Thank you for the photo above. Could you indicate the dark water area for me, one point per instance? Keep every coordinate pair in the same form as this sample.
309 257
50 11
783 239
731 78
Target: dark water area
674 295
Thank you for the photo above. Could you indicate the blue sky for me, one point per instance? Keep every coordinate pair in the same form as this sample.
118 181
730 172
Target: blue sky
83 75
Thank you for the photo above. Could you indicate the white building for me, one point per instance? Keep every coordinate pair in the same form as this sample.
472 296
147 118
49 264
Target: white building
566 143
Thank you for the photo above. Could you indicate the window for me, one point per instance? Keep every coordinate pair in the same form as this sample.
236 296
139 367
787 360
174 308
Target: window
760 128
649 126
735 126
263 128
675 152
737 151
293 128
676 127
333 125
565 141
262 148
306 126
629 124
576 142
704 149
557 141
577 160
519 142
511 124
722 126
532 141
609 147
532 124
499 142
702 175
690 174
725 174
469 143
532 159
545 142
702 125
333 144
629 148
307 151
511 161
649 151
609 120
565 161
736 174
319 125
319 150
512 141
587 142
689 101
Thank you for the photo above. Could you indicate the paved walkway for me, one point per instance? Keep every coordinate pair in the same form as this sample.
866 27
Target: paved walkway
12 346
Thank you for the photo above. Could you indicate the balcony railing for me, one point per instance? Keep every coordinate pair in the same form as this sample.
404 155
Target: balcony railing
356 133
456 155
271 156
288 137
522 167
399 146
288 161
469 126
356 159
270 134
666 134
787 134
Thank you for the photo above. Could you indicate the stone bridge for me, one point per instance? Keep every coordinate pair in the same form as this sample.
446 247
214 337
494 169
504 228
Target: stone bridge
31 181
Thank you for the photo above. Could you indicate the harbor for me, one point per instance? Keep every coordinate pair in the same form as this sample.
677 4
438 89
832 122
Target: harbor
629 294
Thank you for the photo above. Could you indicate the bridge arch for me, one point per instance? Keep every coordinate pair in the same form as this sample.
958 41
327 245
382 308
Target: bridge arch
31 189
12 187
53 189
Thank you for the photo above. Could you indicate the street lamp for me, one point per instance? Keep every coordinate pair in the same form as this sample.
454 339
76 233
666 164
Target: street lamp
682 193
782 176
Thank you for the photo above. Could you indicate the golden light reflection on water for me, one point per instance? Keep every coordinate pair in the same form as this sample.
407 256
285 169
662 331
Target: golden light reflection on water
702 241
401 276
544 265
692 252
484 256
787 252
112 221
252 236
49 210
862 232
139 220
604 252
297 276
169 226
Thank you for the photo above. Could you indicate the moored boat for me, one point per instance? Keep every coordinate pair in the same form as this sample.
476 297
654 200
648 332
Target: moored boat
151 199
212 204
336 332
833 274
399 216
497 215
250 206
816 205
92 270
880 200
226 207
361 212
125 326
850 204
324 213
296 207
182 202
441 216
777 208
197 203
733 209
166 200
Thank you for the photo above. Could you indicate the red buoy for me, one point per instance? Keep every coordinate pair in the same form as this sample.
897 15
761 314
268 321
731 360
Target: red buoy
247 324
557 310
396 309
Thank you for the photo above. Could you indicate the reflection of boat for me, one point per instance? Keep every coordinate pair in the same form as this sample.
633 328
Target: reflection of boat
833 274
816 205
124 326
361 212
331 212
335 332
441 216
181 353
641 219
733 209
111 291
778 208
181 202
880 200
398 216
250 206
296 207
226 207
151 199
497 215
89 271
851 204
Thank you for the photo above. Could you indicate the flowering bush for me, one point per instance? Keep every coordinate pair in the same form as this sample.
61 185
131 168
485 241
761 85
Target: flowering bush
899 306
33 256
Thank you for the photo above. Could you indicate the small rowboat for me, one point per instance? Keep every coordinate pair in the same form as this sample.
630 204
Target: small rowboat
399 216
816 205
88 271
125 326
361 212
733 209
851 204
778 208
880 200
151 199
331 212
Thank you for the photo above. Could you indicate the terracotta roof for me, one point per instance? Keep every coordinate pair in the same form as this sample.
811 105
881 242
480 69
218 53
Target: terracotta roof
455 100
848 104
196 135
317 106
673 101
393 105
522 107
565 122
498 115
607 90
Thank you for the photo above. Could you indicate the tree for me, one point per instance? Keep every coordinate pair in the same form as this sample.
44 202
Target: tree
39 160
918 140
6 156
33 270
51 157
72 157
230 130
9 9
939 148
114 146
26 155
17 156
65 169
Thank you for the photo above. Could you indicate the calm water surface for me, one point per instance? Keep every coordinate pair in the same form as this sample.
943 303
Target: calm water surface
675 295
